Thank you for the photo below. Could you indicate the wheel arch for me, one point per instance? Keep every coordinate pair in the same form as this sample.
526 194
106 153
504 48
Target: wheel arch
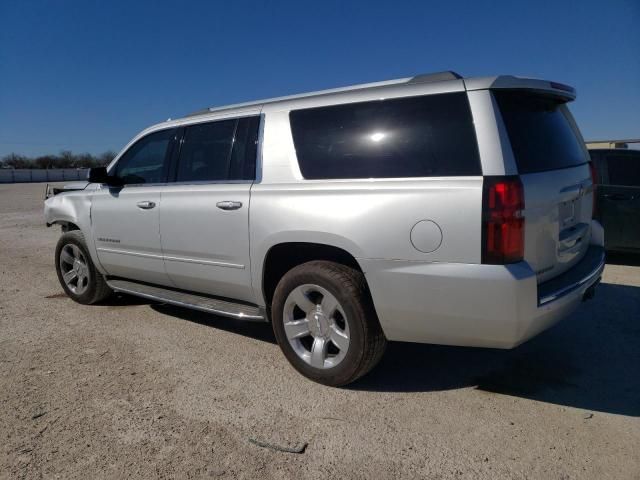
66 225
283 256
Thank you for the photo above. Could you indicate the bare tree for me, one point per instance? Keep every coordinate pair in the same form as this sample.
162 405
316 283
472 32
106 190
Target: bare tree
14 160
66 159
105 158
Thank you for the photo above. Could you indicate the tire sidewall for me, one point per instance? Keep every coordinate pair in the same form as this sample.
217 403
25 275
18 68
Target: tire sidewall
76 238
345 371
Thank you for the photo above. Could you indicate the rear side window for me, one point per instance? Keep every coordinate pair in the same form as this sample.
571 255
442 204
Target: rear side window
540 131
206 151
409 137
219 151
624 170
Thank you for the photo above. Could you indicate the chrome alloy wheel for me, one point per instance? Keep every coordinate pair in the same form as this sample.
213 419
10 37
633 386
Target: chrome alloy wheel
74 269
316 326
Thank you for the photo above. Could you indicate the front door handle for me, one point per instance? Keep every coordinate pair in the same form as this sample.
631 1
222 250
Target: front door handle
229 205
146 205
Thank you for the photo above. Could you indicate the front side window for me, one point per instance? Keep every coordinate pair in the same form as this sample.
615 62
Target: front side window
424 136
147 160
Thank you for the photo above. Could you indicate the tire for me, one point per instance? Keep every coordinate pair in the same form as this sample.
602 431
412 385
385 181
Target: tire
304 300
86 285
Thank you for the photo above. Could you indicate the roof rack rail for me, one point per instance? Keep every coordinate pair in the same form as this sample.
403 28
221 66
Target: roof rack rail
422 78
435 77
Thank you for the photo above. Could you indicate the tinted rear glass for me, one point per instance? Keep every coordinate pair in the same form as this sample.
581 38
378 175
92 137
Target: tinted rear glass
206 152
408 137
219 151
540 132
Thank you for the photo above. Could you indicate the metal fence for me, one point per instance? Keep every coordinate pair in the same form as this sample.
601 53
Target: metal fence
27 175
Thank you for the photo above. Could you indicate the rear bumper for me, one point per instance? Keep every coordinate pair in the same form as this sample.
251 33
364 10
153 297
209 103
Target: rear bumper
586 273
497 306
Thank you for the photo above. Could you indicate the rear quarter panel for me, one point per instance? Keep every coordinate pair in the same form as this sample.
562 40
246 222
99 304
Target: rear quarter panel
370 219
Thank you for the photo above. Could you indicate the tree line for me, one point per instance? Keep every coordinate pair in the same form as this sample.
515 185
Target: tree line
65 159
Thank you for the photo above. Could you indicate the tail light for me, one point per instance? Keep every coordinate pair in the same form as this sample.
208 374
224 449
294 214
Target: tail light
503 220
594 192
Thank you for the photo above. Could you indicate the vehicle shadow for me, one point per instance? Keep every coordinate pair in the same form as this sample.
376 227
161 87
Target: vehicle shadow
591 360
259 330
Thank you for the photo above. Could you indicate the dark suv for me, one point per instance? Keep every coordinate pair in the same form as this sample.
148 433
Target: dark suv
618 199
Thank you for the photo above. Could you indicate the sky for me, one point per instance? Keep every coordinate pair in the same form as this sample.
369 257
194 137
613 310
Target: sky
88 75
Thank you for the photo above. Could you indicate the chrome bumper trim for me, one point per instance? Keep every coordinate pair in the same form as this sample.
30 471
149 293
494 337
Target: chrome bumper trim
587 280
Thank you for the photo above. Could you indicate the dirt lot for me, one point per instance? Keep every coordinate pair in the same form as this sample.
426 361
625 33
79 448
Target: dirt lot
140 390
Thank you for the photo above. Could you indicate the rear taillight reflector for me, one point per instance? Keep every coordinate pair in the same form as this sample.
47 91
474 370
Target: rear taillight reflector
503 220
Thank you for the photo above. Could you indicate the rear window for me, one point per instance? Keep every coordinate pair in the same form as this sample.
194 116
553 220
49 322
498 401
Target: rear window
408 137
540 131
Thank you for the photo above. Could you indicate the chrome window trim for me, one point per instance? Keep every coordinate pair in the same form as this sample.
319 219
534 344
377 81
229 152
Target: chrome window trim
258 175
209 182
209 119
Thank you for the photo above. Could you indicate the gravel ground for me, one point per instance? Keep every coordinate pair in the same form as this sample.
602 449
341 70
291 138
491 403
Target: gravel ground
142 390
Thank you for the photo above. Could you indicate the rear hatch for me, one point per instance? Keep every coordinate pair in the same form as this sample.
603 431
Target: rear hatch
552 162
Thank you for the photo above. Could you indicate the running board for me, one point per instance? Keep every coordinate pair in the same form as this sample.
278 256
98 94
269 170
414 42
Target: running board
190 300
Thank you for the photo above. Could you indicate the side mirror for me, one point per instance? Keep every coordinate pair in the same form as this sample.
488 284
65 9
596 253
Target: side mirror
98 175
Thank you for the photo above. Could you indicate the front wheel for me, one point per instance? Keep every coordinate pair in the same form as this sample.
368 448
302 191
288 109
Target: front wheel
325 323
77 274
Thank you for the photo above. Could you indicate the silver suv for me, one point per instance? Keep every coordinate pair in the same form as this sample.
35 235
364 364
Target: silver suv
434 209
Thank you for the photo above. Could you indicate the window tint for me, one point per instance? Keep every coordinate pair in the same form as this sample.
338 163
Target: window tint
624 170
147 160
206 151
218 151
541 135
408 137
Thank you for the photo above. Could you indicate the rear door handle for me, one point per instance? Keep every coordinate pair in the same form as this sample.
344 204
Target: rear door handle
229 205
146 205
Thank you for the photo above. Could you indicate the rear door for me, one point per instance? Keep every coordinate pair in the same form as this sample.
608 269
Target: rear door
619 199
552 162
204 220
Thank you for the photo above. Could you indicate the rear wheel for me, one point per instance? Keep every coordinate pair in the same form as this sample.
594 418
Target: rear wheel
325 323
76 272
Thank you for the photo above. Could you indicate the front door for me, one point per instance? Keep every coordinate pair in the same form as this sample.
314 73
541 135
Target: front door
125 220
204 220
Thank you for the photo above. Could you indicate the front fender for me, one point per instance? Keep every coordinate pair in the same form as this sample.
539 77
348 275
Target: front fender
73 209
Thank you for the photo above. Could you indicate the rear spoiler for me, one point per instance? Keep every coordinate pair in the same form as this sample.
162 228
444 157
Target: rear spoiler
508 82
